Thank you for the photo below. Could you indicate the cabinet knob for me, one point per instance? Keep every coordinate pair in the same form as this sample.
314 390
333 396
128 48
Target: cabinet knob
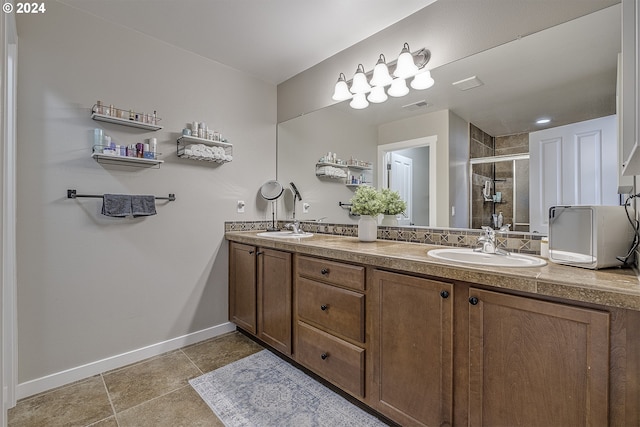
323 356
473 300
324 271
444 294
251 252
259 253
324 307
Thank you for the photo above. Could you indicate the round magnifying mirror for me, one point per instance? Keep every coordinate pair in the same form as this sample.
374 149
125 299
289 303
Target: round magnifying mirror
271 190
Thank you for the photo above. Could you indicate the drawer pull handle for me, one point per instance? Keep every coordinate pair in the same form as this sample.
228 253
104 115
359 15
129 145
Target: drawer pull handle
324 271
473 301
324 307
324 356
444 294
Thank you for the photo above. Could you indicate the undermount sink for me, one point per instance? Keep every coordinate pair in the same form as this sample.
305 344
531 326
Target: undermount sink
469 256
285 234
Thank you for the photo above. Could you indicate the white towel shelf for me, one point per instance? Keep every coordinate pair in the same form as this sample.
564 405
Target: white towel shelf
362 168
183 141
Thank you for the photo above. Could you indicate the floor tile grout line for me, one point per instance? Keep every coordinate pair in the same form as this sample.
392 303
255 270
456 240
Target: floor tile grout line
154 398
113 409
192 362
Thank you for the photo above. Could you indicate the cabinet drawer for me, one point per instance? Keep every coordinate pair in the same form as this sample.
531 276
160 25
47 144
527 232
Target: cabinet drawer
339 310
336 360
349 276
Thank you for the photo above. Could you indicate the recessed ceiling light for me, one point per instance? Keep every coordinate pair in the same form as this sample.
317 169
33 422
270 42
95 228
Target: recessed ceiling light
543 121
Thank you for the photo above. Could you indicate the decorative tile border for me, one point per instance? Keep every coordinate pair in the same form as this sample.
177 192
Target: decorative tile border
525 243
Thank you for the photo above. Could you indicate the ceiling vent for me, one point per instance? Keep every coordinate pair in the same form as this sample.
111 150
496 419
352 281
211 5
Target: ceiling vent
416 105
468 83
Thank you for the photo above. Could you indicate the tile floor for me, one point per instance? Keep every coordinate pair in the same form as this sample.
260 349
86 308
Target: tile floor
154 392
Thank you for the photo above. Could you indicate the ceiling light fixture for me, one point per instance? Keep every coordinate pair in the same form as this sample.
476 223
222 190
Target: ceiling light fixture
543 121
360 83
407 65
341 92
359 101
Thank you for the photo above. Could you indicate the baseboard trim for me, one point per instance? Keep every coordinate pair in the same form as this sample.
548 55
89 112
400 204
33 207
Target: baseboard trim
68 376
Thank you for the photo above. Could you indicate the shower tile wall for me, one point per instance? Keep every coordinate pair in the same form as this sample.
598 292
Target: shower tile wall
505 145
481 145
512 144
484 145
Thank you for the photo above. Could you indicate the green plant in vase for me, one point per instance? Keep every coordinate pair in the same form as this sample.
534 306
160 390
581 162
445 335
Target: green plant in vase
393 204
367 203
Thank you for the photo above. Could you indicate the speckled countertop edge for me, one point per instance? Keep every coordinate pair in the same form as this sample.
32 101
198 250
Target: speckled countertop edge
608 287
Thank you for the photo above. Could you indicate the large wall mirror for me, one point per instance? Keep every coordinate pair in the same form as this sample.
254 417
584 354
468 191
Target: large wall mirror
567 72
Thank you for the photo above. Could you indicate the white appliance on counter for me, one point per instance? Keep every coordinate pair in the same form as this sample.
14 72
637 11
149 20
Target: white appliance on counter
589 236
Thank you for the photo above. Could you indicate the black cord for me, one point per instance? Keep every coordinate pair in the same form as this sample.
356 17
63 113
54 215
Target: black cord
636 236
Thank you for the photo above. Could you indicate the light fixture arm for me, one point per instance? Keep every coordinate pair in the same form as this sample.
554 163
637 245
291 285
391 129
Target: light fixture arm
426 57
423 52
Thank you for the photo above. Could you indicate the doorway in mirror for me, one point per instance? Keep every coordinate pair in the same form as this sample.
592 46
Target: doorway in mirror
409 170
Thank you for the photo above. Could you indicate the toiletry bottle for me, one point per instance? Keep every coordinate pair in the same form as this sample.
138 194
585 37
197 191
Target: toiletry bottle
131 116
500 219
98 136
494 217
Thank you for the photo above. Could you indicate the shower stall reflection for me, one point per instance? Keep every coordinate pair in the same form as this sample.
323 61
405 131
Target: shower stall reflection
500 184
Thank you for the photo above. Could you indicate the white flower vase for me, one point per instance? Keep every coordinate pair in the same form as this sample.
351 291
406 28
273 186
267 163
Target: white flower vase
367 228
389 220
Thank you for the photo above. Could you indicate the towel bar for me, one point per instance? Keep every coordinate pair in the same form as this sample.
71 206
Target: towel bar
71 194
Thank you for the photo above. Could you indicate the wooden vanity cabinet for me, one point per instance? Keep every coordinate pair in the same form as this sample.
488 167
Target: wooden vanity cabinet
260 293
243 286
424 351
411 348
330 321
535 362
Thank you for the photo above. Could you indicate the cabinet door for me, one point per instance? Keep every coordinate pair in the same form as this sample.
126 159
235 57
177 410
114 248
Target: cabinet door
536 363
274 299
412 339
242 286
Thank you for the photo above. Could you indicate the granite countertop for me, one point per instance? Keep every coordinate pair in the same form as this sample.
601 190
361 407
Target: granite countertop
612 287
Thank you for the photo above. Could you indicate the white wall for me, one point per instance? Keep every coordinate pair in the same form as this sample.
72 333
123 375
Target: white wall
91 287
459 182
302 142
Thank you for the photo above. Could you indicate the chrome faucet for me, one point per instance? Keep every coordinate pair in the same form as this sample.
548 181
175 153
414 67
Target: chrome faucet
294 226
487 243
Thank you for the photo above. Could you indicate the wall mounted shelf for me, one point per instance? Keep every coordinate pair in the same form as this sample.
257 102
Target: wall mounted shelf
124 122
322 169
126 161
183 152
118 116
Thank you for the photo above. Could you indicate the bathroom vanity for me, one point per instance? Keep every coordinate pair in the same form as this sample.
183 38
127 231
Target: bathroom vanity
431 342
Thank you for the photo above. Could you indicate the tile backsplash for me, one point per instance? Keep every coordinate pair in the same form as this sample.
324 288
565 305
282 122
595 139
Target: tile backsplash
526 243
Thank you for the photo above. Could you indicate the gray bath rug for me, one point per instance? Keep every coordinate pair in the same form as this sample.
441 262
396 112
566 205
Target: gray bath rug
263 391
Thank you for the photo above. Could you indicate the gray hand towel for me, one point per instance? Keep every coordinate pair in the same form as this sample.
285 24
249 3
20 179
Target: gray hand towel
143 205
116 205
